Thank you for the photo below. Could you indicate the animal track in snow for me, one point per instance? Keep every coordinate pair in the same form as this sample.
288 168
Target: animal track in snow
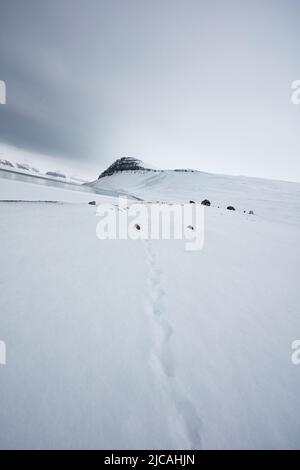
163 360
165 330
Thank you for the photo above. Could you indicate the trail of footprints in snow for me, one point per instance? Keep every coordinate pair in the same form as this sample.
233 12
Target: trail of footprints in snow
164 358
157 295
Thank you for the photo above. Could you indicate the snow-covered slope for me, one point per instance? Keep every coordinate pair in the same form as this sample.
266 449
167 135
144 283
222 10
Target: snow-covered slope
141 344
273 200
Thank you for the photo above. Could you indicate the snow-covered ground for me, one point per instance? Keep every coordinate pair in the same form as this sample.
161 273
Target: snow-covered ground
141 344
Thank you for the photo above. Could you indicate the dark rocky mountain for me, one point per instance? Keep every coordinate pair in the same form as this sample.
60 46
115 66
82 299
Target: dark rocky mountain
124 164
133 164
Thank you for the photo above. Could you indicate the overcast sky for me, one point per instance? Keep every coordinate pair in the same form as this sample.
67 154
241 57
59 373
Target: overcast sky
178 83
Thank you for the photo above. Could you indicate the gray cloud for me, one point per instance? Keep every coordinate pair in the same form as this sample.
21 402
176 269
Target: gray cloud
197 83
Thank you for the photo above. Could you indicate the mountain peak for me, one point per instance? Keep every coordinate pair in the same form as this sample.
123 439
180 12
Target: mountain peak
124 164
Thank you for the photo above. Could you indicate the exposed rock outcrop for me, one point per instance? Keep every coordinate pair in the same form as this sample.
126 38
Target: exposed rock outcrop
124 164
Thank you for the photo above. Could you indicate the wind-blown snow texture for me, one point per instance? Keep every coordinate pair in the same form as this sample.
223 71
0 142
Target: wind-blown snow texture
141 344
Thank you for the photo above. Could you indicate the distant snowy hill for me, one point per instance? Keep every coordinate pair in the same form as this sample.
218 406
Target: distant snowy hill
271 199
30 170
5 163
8 165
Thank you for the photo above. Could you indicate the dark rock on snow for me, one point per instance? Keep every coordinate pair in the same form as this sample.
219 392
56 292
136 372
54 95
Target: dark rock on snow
206 202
